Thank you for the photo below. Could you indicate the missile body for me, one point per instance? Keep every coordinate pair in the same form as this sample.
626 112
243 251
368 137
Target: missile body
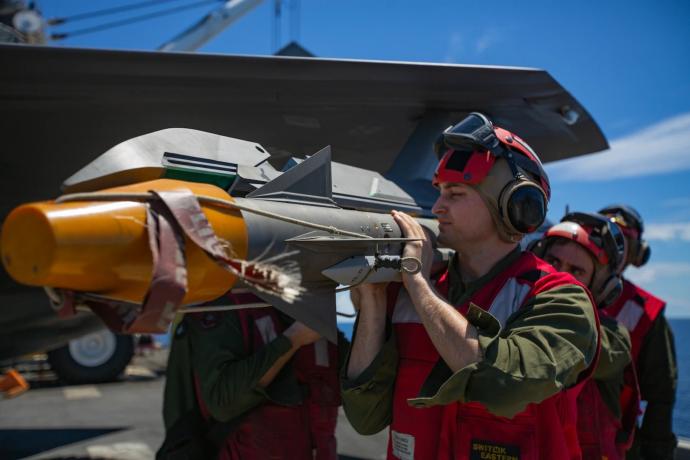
287 223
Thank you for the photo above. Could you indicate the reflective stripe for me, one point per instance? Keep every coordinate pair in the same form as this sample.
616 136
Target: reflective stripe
404 311
630 314
509 300
266 328
321 352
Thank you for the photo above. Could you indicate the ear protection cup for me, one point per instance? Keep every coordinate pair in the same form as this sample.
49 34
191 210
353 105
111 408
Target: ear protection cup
613 287
642 254
522 206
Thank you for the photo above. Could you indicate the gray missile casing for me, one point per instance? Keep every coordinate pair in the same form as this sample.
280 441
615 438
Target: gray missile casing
312 251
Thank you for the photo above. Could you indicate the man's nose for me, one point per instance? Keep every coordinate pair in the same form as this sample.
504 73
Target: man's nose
438 208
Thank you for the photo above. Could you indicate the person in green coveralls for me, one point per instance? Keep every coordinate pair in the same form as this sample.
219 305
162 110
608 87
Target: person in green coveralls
483 361
653 346
592 249
250 384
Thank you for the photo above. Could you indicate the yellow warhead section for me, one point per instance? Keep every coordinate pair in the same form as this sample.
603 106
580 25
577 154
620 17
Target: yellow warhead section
102 246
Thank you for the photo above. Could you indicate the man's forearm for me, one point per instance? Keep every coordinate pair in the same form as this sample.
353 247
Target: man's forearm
450 332
271 373
370 334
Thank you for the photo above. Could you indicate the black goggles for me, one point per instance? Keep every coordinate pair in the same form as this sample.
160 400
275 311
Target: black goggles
476 133
605 234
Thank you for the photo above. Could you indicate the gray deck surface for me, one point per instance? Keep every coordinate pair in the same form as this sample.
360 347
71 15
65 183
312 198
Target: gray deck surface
120 420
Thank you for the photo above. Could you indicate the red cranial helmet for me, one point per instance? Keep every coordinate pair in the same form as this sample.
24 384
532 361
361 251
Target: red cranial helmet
505 170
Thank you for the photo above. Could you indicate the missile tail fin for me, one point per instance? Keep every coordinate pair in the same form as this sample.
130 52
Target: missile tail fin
315 308
309 181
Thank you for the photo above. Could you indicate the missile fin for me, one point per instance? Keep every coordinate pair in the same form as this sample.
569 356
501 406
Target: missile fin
309 181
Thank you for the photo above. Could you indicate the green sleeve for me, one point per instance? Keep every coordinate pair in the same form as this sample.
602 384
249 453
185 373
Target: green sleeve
615 350
368 399
614 357
178 397
658 377
541 350
228 376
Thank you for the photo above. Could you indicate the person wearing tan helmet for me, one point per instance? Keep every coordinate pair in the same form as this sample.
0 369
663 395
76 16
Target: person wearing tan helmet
592 249
481 362
653 346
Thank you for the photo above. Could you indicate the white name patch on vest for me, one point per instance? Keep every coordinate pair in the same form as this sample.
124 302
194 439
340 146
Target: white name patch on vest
403 445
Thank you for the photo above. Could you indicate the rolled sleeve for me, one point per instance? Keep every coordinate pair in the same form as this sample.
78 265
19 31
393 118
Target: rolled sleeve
541 350
615 350
368 398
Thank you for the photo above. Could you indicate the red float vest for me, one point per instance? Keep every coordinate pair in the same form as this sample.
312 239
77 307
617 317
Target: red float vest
468 430
636 309
273 431
600 433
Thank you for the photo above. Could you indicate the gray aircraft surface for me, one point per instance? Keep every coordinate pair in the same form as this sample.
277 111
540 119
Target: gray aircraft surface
62 108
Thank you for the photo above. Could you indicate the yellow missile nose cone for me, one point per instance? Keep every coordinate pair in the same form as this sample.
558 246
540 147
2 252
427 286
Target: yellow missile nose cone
28 245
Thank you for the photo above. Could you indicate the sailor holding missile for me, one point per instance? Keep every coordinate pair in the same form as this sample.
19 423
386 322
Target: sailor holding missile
250 384
488 359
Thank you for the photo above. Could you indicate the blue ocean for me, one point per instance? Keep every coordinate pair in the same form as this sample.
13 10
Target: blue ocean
681 414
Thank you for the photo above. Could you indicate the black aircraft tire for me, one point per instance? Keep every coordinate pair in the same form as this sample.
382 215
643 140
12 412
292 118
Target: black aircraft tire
106 368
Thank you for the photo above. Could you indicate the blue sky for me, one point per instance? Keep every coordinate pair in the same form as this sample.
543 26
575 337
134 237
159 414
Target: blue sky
627 62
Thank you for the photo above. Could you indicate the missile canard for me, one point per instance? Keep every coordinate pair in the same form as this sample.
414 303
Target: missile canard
178 217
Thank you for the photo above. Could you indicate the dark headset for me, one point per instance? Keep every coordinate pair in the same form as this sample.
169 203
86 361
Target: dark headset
639 250
608 235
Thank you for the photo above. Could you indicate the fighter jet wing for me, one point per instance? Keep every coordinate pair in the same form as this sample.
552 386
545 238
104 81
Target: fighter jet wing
62 107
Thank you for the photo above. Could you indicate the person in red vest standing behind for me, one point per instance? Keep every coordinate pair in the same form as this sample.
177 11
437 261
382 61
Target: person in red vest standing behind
592 249
653 348
484 361
250 384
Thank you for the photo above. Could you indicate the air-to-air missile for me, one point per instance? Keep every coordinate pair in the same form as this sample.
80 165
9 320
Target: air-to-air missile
179 217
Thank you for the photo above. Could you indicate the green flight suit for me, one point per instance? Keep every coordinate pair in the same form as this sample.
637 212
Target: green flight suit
614 357
658 377
214 350
540 351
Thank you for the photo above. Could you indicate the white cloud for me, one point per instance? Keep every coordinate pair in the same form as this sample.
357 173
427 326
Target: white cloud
657 149
455 47
668 232
487 39
658 270
678 202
